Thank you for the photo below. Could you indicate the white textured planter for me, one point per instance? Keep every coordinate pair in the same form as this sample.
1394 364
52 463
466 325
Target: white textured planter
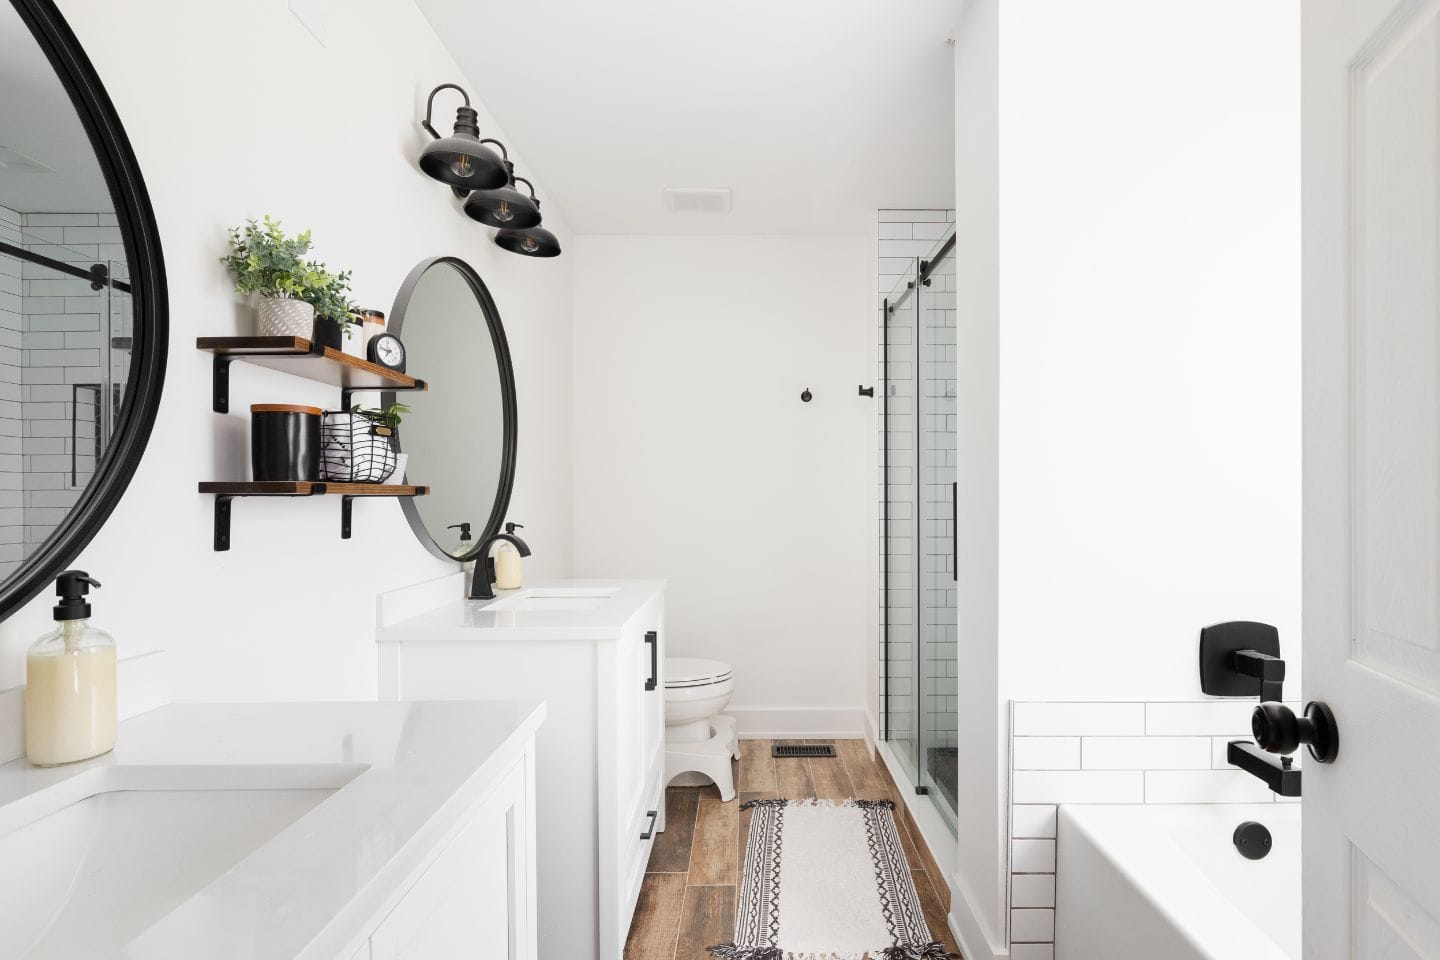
277 317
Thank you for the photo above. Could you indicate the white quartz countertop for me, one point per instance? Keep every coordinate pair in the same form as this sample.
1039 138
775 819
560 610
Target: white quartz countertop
380 785
469 621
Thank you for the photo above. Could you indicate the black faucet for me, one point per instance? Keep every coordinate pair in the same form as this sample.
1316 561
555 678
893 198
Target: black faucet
481 584
1279 774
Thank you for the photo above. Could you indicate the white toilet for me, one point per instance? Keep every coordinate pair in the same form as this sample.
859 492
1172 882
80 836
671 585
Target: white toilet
699 739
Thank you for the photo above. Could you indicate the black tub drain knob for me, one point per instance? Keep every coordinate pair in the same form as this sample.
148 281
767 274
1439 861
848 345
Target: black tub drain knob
1252 840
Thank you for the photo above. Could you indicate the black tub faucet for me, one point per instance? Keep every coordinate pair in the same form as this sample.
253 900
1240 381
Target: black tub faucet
482 583
1279 773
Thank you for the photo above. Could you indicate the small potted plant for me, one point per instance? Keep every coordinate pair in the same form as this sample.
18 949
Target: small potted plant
297 297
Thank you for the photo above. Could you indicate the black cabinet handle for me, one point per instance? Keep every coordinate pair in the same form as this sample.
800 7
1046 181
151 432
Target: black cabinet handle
653 815
653 638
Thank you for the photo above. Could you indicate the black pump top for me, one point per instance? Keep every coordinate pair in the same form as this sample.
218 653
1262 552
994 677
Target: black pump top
464 530
71 587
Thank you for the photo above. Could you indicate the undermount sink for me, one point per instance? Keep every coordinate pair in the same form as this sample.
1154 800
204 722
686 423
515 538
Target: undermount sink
555 600
97 872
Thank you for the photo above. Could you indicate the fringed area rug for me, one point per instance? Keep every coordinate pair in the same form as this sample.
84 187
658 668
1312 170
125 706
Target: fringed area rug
827 880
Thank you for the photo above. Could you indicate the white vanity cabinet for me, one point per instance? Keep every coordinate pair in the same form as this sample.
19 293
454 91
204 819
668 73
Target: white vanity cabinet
595 652
476 898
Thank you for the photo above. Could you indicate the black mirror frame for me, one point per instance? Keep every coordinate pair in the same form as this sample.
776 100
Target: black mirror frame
507 399
148 297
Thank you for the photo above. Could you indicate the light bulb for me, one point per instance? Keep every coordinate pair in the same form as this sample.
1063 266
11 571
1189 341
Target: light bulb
503 213
462 166
529 245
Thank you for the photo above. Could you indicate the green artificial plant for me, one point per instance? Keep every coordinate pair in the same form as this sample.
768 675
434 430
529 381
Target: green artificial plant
264 260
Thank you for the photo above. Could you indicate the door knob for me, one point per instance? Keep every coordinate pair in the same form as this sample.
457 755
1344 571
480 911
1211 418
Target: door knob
1278 730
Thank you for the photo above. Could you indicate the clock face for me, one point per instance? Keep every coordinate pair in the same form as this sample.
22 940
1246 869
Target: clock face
389 351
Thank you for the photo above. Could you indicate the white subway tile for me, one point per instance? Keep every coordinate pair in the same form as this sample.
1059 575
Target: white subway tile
1032 856
1032 890
1146 753
911 216
1204 786
1046 753
1032 926
1210 718
1032 820
1078 719
1078 786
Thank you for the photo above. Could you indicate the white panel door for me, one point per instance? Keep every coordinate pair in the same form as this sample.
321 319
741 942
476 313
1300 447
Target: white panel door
1371 132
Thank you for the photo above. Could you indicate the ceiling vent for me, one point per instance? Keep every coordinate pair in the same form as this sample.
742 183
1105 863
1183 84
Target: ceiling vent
13 161
698 199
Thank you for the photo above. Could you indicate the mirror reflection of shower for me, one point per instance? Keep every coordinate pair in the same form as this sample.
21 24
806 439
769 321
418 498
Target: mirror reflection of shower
66 338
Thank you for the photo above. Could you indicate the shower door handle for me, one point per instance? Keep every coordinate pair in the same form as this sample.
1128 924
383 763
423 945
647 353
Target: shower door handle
955 530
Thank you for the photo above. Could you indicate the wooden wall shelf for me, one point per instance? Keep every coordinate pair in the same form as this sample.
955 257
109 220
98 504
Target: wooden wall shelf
303 358
225 491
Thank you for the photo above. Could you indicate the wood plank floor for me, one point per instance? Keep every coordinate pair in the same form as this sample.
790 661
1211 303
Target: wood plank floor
687 902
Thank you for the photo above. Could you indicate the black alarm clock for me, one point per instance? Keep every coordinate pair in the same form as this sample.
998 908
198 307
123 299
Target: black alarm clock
386 350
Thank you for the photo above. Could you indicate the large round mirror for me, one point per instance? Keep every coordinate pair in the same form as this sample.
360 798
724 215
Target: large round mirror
82 302
460 434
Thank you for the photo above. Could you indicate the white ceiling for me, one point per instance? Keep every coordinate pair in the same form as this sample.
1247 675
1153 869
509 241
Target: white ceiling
814 112
38 120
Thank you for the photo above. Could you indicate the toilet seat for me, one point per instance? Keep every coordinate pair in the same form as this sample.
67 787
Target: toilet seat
685 672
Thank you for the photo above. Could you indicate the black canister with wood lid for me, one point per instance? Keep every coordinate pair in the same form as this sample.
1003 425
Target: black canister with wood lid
284 441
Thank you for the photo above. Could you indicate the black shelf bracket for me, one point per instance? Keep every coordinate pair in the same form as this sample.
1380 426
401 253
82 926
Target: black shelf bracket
346 511
220 384
222 521
347 392
223 510
220 372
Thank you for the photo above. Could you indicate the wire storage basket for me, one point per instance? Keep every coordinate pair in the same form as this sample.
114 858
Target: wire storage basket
356 448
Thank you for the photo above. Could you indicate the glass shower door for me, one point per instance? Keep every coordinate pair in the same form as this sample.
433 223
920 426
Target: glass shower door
918 542
936 611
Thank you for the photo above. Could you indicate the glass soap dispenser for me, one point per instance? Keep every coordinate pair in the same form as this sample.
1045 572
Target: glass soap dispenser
70 682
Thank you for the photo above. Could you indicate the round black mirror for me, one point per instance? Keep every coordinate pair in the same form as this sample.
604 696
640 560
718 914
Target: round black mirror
83 323
459 436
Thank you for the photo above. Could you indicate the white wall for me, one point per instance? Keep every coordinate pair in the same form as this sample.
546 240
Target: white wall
1150 385
1129 362
323 137
695 459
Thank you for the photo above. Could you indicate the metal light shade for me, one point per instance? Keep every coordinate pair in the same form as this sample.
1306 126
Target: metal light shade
530 242
461 160
506 208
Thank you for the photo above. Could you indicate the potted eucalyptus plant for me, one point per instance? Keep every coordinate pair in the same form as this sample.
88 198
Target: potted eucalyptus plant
297 297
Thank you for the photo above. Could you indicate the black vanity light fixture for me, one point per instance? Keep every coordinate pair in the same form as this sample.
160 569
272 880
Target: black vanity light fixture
462 159
485 181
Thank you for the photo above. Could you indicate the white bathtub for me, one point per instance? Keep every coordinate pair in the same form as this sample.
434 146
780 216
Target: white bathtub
1165 881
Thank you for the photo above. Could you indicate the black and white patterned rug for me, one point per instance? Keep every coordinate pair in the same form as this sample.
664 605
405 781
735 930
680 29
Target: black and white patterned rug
827 880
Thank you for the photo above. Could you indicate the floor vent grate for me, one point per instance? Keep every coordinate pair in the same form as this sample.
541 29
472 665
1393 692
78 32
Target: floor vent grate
802 750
